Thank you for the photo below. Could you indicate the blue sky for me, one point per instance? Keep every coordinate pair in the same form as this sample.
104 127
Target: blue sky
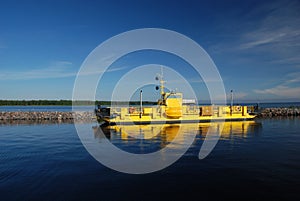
254 44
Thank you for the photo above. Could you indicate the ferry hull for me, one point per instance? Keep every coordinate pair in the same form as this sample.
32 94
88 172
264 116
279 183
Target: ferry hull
112 123
150 118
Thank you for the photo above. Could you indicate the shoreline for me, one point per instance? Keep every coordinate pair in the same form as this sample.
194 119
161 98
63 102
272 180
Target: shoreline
279 112
90 116
46 116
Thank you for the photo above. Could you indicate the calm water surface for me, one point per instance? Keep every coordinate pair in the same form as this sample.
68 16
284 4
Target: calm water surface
253 160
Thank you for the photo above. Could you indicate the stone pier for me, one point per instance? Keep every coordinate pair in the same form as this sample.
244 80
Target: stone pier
279 112
24 115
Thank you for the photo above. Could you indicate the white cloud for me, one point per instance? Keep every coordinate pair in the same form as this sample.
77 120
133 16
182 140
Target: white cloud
282 91
257 39
293 78
289 88
277 33
57 69
97 71
269 33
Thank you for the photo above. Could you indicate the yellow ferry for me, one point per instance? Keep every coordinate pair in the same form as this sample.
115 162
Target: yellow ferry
171 109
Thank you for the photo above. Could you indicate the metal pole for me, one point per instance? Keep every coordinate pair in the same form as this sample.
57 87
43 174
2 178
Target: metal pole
141 103
231 102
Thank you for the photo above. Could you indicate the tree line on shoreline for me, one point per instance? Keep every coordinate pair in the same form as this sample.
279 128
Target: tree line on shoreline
64 102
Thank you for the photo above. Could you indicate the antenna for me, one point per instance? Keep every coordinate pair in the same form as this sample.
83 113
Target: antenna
231 102
162 92
141 103
160 78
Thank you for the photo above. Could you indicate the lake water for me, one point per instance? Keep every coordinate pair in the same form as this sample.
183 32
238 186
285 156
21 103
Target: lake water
256 160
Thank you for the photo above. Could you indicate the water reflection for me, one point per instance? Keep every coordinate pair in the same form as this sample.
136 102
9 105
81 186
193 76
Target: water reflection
154 137
231 130
140 138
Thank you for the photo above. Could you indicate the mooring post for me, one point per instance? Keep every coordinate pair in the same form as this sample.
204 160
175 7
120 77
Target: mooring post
141 103
231 101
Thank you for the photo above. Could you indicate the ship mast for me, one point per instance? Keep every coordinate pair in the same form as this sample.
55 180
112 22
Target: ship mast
162 92
159 77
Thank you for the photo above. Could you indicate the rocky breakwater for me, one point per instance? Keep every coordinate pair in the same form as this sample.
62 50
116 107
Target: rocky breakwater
279 112
34 116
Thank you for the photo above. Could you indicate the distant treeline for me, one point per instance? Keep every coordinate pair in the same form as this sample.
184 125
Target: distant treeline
65 102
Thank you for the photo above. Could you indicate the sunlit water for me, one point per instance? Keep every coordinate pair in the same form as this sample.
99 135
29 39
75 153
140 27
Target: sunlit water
252 160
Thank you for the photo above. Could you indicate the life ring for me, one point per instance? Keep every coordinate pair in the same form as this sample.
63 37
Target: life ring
238 108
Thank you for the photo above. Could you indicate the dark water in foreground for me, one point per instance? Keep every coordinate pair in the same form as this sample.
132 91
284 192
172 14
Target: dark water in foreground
253 160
